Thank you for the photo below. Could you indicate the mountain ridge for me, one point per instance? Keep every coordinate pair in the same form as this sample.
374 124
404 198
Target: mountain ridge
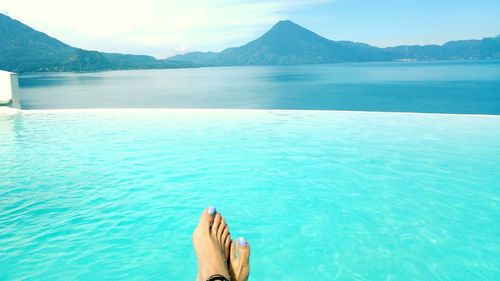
289 43
24 49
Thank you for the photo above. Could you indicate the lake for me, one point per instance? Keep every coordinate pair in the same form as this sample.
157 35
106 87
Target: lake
471 87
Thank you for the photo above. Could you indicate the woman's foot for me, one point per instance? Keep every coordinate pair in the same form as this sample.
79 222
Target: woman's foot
211 241
239 266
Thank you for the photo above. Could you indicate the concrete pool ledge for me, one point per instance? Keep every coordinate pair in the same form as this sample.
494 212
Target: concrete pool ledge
9 90
246 111
5 110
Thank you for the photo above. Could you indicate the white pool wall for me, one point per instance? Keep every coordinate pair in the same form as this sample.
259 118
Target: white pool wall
9 89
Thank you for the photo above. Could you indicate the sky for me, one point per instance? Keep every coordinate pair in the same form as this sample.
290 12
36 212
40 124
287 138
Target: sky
163 28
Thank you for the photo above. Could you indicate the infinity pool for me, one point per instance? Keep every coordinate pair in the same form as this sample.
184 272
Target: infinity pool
320 195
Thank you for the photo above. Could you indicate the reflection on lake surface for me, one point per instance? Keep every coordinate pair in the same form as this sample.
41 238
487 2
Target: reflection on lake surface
442 87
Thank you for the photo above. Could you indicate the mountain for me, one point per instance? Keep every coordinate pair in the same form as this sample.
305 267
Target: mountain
23 49
196 57
487 48
289 43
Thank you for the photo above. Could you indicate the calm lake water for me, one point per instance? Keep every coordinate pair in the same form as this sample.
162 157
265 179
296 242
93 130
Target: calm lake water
441 87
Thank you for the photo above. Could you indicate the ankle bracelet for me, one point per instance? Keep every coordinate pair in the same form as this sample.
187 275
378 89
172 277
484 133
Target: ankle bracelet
217 277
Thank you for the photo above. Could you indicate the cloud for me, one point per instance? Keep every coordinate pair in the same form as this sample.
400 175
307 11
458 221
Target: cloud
156 27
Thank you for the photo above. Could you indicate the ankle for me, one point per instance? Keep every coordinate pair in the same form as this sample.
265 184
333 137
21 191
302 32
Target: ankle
214 269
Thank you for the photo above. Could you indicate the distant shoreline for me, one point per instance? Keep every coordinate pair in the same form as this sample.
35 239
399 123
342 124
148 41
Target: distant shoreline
494 61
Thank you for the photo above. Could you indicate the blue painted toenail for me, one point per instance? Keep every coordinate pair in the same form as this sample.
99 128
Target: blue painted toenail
242 241
211 210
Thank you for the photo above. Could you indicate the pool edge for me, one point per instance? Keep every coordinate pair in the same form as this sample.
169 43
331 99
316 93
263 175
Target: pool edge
142 110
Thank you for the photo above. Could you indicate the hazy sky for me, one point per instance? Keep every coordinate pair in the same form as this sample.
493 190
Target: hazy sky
165 27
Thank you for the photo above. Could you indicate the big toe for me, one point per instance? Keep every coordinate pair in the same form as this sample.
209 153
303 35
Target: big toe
207 217
239 266
243 250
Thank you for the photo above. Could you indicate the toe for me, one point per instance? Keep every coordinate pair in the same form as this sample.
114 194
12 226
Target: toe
243 249
221 229
224 235
232 251
207 217
224 238
216 224
227 244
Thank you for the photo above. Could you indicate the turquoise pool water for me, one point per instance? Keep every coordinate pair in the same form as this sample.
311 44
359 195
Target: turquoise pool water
321 195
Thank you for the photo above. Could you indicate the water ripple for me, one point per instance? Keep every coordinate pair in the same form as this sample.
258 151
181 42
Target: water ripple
114 195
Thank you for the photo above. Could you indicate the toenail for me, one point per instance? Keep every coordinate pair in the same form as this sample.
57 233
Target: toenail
242 241
211 210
